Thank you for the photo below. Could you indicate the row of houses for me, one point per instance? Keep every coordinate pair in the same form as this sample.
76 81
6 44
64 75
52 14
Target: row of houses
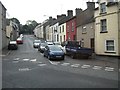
96 28
8 29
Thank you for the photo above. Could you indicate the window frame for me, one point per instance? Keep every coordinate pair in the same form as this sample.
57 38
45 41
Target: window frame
103 28
106 49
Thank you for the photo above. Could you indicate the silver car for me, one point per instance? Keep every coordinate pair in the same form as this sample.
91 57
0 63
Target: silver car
36 43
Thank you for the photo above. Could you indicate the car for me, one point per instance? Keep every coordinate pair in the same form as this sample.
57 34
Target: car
54 52
49 43
36 43
12 45
21 35
41 47
20 40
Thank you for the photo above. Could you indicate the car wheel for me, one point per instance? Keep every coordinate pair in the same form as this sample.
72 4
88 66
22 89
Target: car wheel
49 57
73 56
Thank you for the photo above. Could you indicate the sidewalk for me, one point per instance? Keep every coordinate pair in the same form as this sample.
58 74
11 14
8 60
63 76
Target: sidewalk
4 52
111 59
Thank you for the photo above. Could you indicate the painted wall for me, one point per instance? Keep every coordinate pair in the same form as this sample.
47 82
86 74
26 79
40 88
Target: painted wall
112 28
69 33
62 34
86 37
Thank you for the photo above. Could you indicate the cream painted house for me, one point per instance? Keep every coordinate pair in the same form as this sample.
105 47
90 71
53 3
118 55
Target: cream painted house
107 28
62 32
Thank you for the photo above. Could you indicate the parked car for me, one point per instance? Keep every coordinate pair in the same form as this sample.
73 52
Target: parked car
74 49
53 52
36 43
20 40
49 43
21 35
41 47
12 45
59 45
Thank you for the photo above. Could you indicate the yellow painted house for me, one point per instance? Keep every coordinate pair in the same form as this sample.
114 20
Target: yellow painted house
107 28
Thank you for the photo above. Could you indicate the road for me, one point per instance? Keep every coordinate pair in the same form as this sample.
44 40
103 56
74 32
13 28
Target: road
27 68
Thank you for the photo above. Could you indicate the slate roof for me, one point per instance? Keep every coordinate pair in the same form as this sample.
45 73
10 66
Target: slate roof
87 16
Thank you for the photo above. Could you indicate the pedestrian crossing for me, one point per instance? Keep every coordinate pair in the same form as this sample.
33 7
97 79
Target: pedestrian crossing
63 64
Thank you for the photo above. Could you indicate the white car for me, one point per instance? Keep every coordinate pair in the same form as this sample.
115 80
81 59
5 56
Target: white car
59 45
36 43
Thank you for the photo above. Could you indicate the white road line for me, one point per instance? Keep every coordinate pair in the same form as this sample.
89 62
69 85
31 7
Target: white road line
75 65
42 64
16 59
85 66
24 69
65 64
33 60
54 63
109 69
97 67
26 59
41 54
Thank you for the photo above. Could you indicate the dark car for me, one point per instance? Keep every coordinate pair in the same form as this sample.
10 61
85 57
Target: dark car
12 45
41 47
20 40
53 52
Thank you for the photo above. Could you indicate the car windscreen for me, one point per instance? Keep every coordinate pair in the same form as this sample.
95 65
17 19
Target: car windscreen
42 44
57 43
55 48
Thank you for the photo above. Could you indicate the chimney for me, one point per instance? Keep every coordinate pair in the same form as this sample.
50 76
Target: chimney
63 15
70 13
78 11
91 5
58 16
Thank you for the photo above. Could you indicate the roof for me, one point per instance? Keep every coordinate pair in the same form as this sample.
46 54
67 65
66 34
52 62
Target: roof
71 18
64 20
112 3
87 16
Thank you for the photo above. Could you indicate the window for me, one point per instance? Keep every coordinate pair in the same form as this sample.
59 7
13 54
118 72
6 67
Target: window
68 28
64 37
110 45
103 25
72 26
84 30
102 8
60 29
63 28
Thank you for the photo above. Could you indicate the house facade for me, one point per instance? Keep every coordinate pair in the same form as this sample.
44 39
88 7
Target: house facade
107 28
3 38
71 29
85 26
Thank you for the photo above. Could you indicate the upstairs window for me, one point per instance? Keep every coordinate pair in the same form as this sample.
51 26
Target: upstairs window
102 8
104 25
63 28
72 26
84 30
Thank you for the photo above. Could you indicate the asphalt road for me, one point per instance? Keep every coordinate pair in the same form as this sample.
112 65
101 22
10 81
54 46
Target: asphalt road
27 68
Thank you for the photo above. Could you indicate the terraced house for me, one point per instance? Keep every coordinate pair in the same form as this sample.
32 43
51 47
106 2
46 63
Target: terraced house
3 38
85 26
107 28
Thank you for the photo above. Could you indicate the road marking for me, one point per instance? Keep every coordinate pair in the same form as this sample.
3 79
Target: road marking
85 66
65 64
75 65
109 69
33 60
41 54
16 59
119 70
25 59
54 63
24 69
97 67
42 64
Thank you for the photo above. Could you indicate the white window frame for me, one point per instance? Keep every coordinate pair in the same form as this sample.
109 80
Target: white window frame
106 45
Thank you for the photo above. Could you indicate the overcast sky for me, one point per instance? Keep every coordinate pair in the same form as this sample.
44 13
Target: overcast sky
25 10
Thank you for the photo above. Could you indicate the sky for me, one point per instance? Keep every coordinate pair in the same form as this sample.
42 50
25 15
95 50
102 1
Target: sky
40 10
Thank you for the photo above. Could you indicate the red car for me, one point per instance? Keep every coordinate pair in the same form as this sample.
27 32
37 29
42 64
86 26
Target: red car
19 40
